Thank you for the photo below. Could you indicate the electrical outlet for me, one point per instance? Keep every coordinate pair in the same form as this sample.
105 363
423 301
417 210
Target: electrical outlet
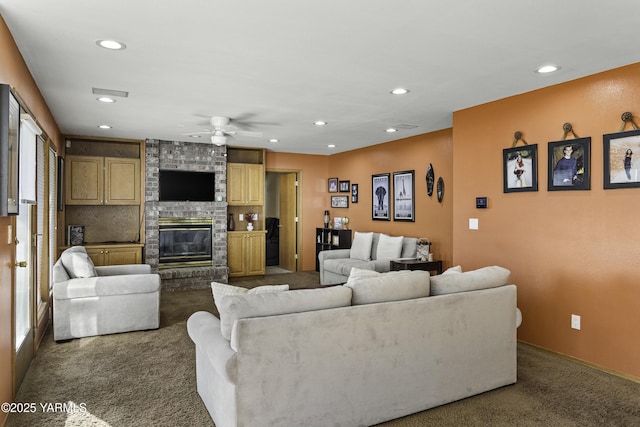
240 217
575 321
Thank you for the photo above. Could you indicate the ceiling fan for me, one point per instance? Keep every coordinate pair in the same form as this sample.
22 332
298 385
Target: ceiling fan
221 128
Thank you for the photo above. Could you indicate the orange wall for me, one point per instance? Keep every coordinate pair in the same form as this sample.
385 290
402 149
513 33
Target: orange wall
433 219
570 252
13 71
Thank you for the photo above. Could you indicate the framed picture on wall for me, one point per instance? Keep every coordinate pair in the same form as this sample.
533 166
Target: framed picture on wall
380 201
333 185
569 165
344 186
621 170
403 196
339 201
520 169
354 193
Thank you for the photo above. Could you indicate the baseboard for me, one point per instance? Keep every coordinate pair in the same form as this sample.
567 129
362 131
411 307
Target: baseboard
585 363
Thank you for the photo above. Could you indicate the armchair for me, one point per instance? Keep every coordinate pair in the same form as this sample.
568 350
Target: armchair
89 300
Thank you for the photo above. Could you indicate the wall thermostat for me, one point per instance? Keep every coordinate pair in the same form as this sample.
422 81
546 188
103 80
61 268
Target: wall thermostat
481 202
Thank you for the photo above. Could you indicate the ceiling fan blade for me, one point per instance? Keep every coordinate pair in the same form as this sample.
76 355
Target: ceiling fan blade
198 133
245 133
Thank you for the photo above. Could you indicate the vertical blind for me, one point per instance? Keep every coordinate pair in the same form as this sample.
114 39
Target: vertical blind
28 132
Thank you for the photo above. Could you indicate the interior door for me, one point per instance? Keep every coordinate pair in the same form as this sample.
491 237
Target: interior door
23 294
288 224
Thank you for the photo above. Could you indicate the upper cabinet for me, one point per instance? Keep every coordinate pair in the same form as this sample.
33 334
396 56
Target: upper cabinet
94 180
245 184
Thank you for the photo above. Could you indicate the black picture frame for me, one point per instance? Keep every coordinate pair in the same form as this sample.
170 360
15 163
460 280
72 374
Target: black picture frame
619 168
332 185
9 151
354 193
339 202
520 169
572 172
404 196
343 186
380 190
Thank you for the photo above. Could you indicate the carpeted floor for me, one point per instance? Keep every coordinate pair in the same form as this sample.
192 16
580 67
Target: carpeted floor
147 378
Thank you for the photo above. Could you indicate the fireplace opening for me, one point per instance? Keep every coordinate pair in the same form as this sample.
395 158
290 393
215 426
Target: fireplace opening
185 242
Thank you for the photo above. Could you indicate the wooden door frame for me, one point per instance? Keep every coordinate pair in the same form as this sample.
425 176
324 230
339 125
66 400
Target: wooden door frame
299 225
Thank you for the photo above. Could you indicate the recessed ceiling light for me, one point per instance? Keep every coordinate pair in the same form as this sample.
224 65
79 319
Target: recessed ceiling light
195 136
400 91
111 44
547 69
104 127
320 123
106 100
391 130
331 145
274 140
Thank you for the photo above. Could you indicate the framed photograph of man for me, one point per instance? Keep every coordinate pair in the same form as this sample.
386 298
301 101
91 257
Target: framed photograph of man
620 169
380 190
332 186
403 196
569 165
520 169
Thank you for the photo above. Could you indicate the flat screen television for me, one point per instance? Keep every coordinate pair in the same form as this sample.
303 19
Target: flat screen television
187 186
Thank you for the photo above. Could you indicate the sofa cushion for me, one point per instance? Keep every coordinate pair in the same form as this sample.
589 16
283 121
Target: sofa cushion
77 263
234 307
482 278
343 266
453 270
392 286
361 246
220 290
389 247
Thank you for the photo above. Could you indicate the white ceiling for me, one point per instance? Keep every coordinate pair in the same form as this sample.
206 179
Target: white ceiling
280 65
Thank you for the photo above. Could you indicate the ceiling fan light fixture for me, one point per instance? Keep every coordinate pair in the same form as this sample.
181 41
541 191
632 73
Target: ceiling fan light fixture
218 140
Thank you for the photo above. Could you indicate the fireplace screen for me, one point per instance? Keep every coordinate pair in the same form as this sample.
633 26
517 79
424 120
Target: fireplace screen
185 242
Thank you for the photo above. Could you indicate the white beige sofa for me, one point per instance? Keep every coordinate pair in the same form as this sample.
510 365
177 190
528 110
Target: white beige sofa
89 300
369 251
373 350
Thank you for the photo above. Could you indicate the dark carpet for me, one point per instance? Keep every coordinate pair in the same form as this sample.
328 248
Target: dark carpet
147 378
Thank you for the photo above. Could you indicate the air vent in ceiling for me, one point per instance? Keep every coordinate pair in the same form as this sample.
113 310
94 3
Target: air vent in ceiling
109 92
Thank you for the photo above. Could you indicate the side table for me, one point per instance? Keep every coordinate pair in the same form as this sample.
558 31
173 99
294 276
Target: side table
416 264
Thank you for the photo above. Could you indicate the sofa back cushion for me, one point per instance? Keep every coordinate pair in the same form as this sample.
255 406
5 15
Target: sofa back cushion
389 247
234 307
409 247
220 290
370 287
77 263
482 278
361 246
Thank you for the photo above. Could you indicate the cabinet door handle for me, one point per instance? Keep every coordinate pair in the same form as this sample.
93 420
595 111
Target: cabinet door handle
106 252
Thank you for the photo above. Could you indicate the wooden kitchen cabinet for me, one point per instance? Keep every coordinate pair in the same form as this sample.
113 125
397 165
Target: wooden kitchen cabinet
115 254
246 253
93 180
245 184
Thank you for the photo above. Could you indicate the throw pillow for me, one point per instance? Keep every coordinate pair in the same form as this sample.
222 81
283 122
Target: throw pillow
361 273
234 307
393 286
453 270
482 278
389 247
222 289
361 246
77 263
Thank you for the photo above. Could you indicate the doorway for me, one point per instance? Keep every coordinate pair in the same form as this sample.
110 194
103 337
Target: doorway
281 221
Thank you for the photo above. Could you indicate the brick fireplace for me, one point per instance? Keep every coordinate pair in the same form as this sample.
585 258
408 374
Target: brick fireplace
186 156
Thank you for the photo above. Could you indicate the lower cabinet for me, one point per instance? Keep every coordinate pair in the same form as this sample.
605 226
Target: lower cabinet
115 255
246 253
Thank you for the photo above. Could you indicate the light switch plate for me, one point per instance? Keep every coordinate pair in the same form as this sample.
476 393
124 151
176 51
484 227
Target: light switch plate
473 223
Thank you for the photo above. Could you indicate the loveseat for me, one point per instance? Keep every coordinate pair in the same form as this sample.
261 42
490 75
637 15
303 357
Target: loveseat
369 251
375 349
97 300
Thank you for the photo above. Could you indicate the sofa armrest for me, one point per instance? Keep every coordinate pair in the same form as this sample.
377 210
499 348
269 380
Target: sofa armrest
117 270
204 330
333 254
106 286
